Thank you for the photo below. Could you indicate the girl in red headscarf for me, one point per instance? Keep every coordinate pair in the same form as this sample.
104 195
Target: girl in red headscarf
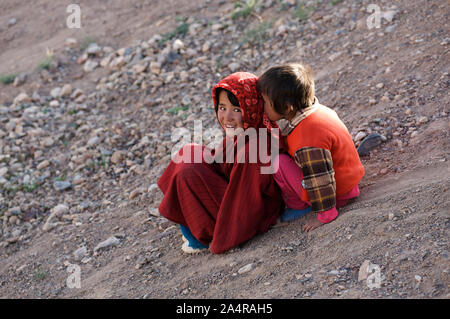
222 204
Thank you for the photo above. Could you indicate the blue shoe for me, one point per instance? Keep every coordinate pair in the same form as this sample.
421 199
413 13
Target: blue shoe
293 214
191 245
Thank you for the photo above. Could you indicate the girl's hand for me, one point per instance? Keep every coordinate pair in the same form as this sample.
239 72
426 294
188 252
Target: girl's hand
311 224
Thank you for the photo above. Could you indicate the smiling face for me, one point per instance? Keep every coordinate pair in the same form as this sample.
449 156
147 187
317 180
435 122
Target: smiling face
229 115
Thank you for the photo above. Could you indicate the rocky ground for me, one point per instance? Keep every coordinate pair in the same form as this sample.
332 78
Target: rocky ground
86 132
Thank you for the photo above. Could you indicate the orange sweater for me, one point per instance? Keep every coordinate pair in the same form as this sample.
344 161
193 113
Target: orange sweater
323 129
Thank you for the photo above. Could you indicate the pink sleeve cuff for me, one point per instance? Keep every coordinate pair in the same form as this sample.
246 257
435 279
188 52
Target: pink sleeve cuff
328 215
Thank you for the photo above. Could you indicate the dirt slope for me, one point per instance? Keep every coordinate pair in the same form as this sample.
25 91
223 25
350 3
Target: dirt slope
392 80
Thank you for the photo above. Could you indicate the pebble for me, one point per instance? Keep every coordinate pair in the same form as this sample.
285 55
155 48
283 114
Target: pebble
360 136
22 98
422 120
60 209
54 103
48 142
334 56
80 253
20 79
90 65
178 45
206 47
71 42
12 22
43 164
233 66
135 193
66 90
246 268
13 220
93 49
389 15
62 185
155 67
111 241
117 157
55 92
93 141
3 171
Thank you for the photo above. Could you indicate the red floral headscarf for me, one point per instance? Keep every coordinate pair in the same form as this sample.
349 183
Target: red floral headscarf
243 86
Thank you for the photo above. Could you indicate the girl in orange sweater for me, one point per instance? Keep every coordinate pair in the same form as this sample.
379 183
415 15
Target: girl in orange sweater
323 170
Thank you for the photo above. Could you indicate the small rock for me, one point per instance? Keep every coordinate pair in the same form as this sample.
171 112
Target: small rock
3 171
334 56
233 66
43 164
389 15
184 76
55 92
155 67
93 49
48 142
118 62
142 260
12 22
71 42
139 68
54 103
93 141
80 253
13 220
22 98
246 268
391 216
62 185
66 90
384 171
422 120
360 136
60 209
206 46
111 241
20 79
178 45
418 278
390 28
90 65
385 99
135 193
380 85
357 52
117 157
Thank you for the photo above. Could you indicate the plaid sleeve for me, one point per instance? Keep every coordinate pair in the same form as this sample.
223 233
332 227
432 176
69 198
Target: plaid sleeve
318 177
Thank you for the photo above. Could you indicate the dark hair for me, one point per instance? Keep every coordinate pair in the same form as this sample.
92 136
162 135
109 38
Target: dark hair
233 99
286 85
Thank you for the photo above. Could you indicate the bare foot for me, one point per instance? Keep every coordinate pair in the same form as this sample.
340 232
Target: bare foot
311 224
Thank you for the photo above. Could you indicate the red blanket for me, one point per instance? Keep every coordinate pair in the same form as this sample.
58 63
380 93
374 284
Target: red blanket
224 204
